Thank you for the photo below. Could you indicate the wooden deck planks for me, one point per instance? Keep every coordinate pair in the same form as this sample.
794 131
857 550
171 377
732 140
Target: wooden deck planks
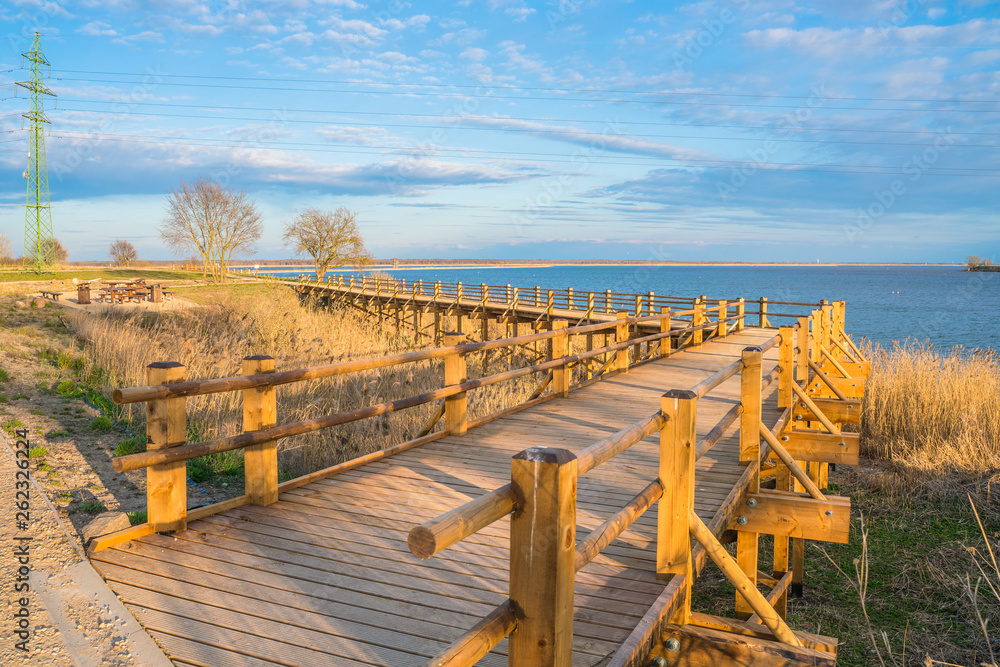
324 576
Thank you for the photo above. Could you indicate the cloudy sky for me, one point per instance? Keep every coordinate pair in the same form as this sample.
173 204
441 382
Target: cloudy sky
838 130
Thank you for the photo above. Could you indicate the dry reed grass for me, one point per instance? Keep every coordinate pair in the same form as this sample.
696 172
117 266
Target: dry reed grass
211 340
932 410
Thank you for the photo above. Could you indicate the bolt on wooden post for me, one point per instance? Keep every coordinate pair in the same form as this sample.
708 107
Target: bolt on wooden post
542 554
455 407
559 349
166 427
676 474
260 411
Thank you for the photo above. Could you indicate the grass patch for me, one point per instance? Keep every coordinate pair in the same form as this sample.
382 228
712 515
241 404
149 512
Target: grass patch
57 434
11 425
37 452
4 375
69 389
128 446
90 274
135 518
102 423
92 506
217 468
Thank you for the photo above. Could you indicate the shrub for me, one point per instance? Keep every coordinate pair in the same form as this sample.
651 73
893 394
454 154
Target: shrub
102 423
128 446
92 506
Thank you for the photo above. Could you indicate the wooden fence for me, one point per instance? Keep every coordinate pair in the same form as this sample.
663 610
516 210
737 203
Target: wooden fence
820 377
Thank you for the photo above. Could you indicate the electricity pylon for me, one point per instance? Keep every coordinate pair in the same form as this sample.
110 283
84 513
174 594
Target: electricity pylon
39 241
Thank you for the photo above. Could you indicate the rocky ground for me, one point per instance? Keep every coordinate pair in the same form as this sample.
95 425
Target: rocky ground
73 618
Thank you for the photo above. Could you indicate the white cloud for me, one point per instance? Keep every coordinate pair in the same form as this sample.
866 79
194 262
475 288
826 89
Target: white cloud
474 54
519 14
98 29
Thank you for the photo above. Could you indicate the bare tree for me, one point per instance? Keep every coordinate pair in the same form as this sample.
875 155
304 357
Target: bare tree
212 221
50 250
973 261
331 238
6 253
122 252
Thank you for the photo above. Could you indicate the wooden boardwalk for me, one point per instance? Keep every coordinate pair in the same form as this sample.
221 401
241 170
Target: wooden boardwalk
324 576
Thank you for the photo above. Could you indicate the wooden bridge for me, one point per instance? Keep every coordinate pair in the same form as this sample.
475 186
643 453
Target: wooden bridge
567 530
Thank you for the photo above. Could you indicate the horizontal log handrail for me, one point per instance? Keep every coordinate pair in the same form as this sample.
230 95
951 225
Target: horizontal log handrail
717 378
712 437
479 640
608 532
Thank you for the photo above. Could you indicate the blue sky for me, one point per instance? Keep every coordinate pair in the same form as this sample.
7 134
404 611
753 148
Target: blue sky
841 130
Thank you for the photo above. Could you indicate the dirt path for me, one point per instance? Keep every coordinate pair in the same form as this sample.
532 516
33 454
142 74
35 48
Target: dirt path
61 613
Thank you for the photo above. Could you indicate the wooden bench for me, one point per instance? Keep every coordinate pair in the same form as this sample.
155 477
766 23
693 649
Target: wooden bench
168 295
46 294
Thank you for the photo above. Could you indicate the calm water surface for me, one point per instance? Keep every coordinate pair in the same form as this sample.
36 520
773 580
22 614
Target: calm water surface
946 305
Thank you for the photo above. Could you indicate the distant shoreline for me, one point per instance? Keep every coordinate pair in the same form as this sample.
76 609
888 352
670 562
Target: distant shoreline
414 265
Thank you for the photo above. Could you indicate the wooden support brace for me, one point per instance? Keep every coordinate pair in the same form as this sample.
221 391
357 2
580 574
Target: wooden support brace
811 445
790 463
827 411
790 514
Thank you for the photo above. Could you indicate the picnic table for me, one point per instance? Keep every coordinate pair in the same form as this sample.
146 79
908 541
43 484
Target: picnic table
48 294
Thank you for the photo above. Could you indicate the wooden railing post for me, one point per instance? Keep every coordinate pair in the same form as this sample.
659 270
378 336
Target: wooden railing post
456 418
763 312
827 319
638 305
699 319
508 293
542 553
665 325
590 305
569 298
750 398
260 462
166 426
723 314
678 438
786 366
747 543
621 335
538 296
550 303
558 349
815 337
607 301
802 358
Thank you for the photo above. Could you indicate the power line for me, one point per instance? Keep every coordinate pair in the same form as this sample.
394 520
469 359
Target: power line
518 118
539 88
533 98
472 153
547 131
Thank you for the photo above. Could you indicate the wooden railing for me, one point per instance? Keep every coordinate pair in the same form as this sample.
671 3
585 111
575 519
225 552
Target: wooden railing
563 369
587 303
541 500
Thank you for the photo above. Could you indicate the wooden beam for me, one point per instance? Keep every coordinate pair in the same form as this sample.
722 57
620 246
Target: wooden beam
456 417
790 514
834 409
166 427
677 469
707 647
810 445
542 553
260 462
759 630
559 349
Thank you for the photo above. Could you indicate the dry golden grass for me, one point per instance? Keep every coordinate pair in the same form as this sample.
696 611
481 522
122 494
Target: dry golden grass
212 339
933 410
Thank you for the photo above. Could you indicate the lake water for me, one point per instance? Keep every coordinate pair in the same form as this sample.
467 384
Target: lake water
945 305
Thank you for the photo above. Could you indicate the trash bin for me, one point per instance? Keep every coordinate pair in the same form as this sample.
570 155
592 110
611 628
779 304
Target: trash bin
156 294
83 294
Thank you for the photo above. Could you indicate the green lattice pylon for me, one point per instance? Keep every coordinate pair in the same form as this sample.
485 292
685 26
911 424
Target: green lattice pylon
39 240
